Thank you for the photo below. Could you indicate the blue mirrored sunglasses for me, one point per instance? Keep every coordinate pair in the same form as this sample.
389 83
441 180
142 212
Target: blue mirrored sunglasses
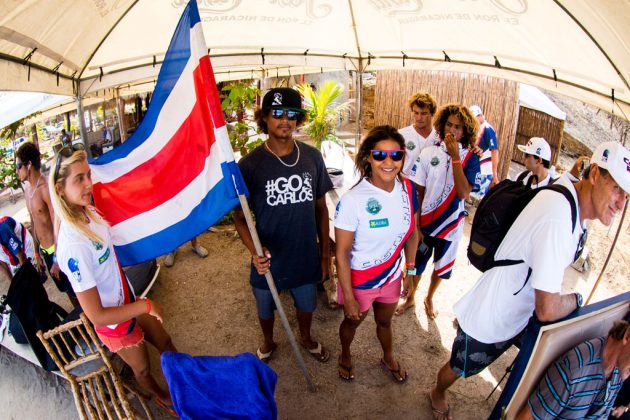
278 113
380 155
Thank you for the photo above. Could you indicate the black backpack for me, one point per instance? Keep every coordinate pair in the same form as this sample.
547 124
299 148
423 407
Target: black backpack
496 213
30 306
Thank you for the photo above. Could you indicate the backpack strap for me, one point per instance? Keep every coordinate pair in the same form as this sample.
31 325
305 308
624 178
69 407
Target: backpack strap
521 176
567 194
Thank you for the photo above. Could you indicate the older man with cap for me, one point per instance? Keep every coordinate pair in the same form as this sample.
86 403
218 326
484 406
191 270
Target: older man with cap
489 162
287 182
537 163
494 313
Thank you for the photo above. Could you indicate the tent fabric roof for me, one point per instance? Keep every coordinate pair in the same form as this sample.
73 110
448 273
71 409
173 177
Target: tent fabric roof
580 48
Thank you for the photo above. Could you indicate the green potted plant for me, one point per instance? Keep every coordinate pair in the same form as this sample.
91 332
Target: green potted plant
238 97
323 113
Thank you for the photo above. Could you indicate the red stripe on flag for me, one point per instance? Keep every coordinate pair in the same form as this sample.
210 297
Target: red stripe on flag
210 87
173 168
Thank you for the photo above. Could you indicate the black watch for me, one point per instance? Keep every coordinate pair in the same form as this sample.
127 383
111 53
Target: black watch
579 300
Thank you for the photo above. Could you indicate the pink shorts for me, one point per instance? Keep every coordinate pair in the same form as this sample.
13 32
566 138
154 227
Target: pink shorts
389 293
114 344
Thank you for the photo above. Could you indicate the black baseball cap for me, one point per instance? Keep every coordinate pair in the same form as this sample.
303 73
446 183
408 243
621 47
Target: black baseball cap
282 98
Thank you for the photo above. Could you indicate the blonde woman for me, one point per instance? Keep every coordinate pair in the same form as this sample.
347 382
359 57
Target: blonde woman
86 254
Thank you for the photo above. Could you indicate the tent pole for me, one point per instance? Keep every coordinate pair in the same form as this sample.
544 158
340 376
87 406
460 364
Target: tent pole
274 294
359 108
81 118
612 248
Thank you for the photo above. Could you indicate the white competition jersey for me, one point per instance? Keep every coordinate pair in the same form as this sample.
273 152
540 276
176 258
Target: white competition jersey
500 304
91 264
381 221
414 143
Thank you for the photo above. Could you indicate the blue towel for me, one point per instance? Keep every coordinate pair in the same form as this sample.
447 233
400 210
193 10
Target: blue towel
239 387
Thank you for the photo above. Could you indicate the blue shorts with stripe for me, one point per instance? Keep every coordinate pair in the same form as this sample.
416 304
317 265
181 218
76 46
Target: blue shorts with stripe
469 356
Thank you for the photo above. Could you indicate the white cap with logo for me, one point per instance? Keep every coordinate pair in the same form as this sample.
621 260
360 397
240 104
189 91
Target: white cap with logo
537 146
475 110
615 158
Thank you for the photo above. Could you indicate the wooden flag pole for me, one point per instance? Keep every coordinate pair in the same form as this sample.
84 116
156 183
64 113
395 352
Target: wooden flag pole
274 293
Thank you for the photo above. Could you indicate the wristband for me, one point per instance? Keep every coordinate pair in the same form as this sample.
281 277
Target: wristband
457 161
410 264
148 305
411 271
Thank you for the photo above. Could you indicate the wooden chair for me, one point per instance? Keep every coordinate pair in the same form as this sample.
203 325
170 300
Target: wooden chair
81 358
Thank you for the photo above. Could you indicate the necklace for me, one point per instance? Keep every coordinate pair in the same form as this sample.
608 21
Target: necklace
33 190
281 161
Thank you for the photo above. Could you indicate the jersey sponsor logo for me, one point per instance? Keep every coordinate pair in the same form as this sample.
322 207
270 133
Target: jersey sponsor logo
379 223
292 190
13 245
97 245
73 265
627 162
373 206
410 145
104 257
435 161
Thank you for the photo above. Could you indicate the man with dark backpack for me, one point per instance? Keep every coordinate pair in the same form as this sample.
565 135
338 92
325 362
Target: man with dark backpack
537 163
526 271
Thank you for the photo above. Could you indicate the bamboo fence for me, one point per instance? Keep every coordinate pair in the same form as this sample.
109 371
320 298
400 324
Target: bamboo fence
497 97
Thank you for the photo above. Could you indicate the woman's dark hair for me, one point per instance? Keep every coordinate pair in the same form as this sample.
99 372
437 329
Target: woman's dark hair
260 115
618 330
28 152
376 134
468 120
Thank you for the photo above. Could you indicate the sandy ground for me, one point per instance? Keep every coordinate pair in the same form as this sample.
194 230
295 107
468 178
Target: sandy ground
209 310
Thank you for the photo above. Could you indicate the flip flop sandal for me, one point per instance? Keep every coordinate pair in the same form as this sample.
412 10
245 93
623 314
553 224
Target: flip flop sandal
265 357
320 353
166 407
444 413
346 369
397 374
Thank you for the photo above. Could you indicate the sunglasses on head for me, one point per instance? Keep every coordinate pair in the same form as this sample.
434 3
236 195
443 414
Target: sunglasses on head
380 155
279 113
65 153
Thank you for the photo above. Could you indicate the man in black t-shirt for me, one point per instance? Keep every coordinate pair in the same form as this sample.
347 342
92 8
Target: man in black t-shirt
287 181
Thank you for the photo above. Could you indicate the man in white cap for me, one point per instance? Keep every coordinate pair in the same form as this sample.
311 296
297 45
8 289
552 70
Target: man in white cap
537 163
489 162
494 313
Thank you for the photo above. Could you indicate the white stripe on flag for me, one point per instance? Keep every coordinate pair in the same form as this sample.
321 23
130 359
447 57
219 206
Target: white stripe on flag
178 207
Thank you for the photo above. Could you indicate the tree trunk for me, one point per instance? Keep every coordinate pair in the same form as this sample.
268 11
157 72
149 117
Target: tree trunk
34 135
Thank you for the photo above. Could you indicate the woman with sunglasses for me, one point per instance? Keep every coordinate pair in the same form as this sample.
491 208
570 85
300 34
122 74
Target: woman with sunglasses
374 225
86 254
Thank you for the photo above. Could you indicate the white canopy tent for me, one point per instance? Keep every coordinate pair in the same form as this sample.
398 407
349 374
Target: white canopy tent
580 48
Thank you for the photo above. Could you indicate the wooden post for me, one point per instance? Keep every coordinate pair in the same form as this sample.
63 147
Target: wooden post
274 293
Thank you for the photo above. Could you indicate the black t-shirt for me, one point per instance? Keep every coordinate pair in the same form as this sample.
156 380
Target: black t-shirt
283 201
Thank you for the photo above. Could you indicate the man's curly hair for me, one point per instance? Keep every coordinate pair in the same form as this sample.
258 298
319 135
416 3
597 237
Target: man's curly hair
28 153
422 100
468 120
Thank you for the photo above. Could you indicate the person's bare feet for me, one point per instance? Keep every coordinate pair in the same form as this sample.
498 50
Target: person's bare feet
404 305
439 407
428 308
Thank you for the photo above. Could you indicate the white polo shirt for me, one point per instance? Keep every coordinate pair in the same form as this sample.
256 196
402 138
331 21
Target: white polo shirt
414 143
